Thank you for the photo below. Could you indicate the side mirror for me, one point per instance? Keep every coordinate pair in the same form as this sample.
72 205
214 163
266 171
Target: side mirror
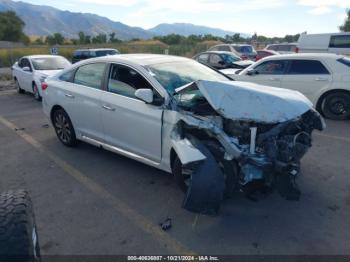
145 95
26 69
252 72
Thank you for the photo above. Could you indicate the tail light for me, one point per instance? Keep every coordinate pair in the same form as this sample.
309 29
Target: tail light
44 85
297 50
244 57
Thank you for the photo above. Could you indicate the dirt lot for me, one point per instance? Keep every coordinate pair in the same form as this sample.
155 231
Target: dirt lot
90 201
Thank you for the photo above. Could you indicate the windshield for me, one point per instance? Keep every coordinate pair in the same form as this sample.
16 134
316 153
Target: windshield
173 75
244 49
229 59
106 52
50 63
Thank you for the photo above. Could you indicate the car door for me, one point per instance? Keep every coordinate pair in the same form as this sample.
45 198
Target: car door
216 61
269 73
306 76
25 77
80 97
129 123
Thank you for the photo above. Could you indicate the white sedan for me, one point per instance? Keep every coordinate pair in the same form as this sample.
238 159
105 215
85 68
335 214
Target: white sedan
213 134
323 78
30 71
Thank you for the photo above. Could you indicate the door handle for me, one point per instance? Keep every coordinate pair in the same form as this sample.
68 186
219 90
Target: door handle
108 108
69 95
274 79
321 79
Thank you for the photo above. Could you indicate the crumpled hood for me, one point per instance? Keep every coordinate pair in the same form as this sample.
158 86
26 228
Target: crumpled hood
247 101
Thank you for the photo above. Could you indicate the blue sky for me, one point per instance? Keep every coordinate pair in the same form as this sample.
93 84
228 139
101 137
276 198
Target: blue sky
266 17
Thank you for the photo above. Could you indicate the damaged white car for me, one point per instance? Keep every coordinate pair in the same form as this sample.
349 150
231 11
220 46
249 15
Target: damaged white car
215 135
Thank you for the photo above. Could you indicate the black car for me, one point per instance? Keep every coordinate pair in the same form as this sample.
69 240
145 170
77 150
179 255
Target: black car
83 54
222 60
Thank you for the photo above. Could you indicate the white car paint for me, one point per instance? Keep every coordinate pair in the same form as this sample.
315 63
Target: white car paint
27 79
271 105
145 132
313 86
337 43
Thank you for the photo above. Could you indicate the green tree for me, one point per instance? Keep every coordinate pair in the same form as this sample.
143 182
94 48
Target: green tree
55 39
11 27
346 26
99 39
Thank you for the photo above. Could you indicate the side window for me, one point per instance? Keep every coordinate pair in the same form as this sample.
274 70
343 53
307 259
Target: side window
25 63
215 59
20 63
340 41
90 75
306 67
224 48
125 81
67 77
203 58
272 67
77 54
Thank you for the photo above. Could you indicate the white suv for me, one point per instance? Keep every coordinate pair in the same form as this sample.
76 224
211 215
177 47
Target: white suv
323 78
173 113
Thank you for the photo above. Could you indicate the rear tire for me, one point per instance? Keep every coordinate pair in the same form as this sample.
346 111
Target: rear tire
229 168
36 93
18 88
336 106
64 128
18 235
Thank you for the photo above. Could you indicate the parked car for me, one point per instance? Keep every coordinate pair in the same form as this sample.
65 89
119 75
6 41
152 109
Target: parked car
337 43
222 60
30 71
285 48
185 118
264 53
244 51
83 54
323 78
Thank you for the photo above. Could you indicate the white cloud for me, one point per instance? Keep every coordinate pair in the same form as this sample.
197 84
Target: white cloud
125 3
320 10
325 3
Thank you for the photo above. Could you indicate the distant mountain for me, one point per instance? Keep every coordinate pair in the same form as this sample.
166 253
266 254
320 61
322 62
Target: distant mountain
45 20
187 29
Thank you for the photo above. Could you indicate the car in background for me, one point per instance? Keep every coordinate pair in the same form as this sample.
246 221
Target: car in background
30 71
323 78
337 43
83 54
284 48
187 119
222 60
244 51
264 53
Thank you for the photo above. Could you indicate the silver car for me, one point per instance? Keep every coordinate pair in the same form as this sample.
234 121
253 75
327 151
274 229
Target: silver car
214 135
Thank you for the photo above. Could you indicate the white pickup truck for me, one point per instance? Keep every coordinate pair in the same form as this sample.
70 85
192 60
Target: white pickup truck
30 71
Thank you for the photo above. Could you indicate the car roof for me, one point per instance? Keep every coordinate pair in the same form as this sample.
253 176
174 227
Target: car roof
41 56
94 49
282 44
217 52
142 59
304 55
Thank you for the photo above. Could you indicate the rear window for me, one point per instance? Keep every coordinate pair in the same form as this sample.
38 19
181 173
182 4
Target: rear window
244 49
340 41
344 61
105 52
306 67
224 48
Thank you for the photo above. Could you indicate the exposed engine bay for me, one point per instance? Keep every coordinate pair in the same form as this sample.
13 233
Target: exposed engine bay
264 143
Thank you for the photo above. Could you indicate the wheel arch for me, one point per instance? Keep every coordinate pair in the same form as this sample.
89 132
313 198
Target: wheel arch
320 99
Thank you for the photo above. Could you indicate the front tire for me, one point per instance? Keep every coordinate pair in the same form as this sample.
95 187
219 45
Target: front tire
336 106
229 168
64 128
18 88
36 93
18 234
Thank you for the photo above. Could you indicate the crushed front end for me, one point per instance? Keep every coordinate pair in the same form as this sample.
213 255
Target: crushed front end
266 145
